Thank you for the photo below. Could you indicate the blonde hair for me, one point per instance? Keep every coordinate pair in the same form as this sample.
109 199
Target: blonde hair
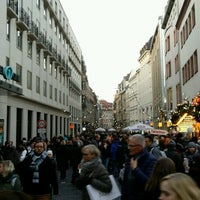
92 149
8 167
183 185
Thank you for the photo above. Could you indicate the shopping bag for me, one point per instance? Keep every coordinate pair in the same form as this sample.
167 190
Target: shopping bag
95 194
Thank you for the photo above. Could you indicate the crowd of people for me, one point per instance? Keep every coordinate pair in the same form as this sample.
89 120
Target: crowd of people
147 167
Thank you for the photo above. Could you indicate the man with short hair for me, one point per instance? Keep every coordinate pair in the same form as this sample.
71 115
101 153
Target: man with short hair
138 168
152 147
38 173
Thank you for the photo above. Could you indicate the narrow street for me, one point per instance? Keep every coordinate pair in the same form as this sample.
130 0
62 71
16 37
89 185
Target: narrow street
67 190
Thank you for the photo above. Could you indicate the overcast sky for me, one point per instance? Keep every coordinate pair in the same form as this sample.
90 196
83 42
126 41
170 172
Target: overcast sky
111 34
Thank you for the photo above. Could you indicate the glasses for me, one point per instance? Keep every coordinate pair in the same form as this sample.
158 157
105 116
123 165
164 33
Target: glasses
132 146
85 154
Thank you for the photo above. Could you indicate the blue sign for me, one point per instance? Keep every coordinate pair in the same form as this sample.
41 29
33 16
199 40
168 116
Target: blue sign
8 72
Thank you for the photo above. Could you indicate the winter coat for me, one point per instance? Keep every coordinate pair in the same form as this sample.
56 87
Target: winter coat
97 176
134 181
47 177
10 182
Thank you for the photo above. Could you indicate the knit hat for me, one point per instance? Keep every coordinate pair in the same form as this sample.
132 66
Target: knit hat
191 144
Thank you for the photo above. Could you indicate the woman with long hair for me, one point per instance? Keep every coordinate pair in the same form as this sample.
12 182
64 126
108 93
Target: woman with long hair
179 186
163 167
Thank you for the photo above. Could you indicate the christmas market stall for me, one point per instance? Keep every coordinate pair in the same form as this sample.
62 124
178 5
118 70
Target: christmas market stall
186 117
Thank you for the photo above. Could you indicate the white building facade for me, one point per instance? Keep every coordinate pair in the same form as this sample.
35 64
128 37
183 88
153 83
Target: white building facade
181 24
40 71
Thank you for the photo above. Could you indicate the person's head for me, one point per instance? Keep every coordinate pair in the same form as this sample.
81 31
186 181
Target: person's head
171 145
39 147
178 186
191 147
148 140
89 152
136 144
50 153
14 195
6 167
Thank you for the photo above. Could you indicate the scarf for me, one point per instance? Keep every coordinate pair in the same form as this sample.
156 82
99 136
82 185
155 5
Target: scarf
88 167
34 166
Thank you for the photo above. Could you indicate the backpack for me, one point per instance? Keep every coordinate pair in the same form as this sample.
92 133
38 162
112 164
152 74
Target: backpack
162 154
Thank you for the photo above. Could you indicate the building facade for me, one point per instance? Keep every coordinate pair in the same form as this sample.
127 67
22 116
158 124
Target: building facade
40 76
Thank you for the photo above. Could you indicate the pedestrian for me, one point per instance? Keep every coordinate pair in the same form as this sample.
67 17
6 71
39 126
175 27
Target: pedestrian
172 153
179 186
153 147
193 155
93 172
10 153
38 173
62 159
9 180
163 167
138 169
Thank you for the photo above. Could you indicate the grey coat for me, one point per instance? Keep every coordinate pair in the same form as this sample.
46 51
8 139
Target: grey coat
98 177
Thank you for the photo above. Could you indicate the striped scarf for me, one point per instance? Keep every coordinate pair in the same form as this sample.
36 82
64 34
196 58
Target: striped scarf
34 166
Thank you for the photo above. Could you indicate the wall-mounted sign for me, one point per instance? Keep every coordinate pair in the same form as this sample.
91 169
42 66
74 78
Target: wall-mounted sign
41 123
8 72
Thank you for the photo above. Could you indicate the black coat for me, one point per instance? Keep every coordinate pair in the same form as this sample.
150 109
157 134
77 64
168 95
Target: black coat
47 177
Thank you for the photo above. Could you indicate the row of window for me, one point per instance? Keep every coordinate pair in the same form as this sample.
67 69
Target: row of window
190 68
188 26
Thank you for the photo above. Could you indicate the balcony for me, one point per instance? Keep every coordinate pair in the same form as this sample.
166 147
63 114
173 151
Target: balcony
33 31
12 9
41 42
48 50
23 20
58 60
67 71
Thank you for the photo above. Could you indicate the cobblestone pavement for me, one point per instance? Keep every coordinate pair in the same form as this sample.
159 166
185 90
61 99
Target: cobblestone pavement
67 190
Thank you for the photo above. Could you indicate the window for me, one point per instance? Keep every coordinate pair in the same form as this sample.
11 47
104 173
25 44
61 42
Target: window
55 29
38 84
29 80
45 13
167 44
29 48
176 64
168 69
56 7
60 96
45 88
56 72
63 98
50 21
50 68
50 91
38 3
45 63
19 39
195 61
56 94
8 30
60 15
38 56
19 73
169 99
7 61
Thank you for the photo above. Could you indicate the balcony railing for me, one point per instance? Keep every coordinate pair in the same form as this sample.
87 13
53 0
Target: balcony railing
23 20
12 8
